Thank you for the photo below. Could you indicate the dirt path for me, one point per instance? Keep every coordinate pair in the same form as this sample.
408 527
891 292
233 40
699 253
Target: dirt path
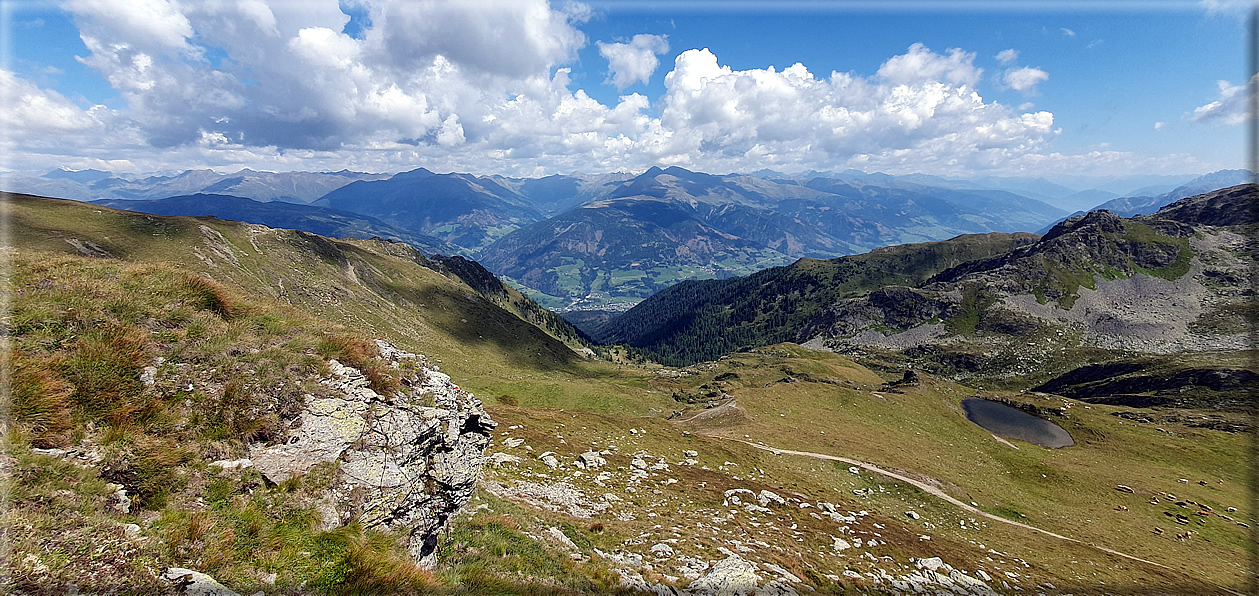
931 490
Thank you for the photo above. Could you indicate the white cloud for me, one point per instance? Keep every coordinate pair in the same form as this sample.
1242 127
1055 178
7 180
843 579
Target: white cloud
1232 106
485 87
633 62
919 106
1067 32
1238 8
31 113
921 64
1159 125
1007 56
1025 79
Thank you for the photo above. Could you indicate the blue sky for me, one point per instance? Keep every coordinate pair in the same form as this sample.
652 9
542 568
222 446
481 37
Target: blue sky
529 88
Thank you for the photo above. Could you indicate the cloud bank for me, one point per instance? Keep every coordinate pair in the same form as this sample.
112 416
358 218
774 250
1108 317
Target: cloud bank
485 86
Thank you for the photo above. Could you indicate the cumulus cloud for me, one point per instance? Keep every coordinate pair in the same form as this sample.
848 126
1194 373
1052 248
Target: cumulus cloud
1025 79
1232 107
1007 56
919 104
635 61
920 64
1159 125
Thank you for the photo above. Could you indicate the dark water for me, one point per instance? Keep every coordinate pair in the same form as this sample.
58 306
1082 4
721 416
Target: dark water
1007 422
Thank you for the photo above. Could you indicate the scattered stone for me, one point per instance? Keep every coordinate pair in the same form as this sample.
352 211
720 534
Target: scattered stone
591 459
913 515
499 458
512 443
633 580
766 497
122 503
690 453
195 583
559 536
131 531
932 564
549 459
233 464
560 497
1124 488
662 550
149 376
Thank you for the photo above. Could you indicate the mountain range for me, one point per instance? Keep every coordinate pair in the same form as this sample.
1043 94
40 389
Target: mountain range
581 242
224 407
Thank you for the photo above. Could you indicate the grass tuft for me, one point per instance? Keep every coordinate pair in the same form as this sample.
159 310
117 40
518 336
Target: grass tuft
41 403
104 368
207 294
354 351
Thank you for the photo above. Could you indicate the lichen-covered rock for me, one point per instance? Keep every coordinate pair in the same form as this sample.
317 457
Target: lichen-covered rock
730 576
406 461
195 583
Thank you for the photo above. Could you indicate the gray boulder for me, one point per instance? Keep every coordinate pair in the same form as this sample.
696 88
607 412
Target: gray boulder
729 576
410 460
195 583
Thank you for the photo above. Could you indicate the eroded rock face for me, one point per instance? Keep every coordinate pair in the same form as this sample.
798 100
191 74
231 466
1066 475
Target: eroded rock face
405 461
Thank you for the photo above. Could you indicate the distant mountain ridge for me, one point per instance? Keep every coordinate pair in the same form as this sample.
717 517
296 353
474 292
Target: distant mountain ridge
91 185
671 224
1145 205
332 223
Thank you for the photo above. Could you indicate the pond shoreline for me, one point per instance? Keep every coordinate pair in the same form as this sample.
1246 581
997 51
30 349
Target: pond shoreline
1011 423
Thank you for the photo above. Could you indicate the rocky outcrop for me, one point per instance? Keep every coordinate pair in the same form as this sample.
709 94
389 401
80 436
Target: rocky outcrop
406 461
195 583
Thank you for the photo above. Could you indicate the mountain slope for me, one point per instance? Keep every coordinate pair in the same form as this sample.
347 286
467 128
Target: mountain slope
460 209
1131 206
702 320
307 218
622 248
383 288
1168 283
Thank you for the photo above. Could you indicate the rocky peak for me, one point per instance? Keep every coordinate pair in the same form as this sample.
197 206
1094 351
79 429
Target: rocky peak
1101 220
407 461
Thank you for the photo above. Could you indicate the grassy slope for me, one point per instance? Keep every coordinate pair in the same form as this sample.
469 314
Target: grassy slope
922 432
356 283
568 405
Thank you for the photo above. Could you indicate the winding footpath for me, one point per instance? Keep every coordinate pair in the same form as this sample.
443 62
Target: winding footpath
931 490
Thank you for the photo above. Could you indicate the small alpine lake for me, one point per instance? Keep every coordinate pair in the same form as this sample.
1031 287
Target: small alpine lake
1010 423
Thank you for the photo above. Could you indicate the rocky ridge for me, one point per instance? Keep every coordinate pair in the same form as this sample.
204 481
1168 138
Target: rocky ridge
408 461
1160 284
